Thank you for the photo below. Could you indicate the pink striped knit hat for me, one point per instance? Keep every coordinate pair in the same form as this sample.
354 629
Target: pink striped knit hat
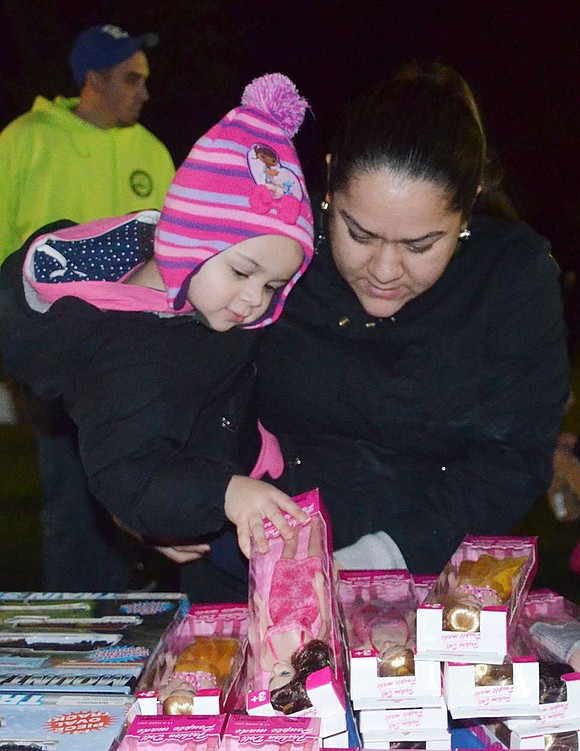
242 179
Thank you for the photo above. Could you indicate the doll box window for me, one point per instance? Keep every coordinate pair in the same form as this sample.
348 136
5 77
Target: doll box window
468 614
379 616
199 668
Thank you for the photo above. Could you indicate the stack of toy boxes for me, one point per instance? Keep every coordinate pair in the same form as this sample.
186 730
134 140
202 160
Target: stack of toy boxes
294 628
550 628
398 699
198 669
69 663
466 621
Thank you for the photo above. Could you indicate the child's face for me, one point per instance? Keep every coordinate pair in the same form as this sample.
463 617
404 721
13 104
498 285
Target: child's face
236 286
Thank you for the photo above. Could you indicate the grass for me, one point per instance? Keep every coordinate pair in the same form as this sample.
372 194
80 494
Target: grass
20 510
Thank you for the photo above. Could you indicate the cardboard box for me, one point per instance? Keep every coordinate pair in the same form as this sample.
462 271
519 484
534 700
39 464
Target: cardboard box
81 643
54 722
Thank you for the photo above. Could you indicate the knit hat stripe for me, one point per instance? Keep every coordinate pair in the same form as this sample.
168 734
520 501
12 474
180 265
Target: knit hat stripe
254 124
197 167
257 133
181 241
173 263
208 196
198 230
219 157
221 143
234 218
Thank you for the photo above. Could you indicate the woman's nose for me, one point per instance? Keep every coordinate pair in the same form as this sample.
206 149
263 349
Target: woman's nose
386 264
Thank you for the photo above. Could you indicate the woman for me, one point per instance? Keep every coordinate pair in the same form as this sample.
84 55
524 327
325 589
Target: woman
419 373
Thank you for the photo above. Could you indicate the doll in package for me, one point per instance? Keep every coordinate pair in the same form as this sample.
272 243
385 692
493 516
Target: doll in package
205 652
379 610
550 627
292 607
483 572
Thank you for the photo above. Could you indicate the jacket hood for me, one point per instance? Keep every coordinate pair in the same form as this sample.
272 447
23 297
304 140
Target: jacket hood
90 262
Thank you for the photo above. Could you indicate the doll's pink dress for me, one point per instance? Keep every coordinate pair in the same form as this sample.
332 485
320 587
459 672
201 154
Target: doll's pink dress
294 604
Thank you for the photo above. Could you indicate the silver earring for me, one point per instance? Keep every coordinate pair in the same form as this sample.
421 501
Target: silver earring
465 234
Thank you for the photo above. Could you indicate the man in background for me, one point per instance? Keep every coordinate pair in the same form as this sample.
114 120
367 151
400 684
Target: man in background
82 159
86 157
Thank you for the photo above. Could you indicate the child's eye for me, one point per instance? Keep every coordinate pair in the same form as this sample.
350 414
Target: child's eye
239 274
271 288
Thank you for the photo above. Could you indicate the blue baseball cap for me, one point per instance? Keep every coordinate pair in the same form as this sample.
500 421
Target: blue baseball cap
103 47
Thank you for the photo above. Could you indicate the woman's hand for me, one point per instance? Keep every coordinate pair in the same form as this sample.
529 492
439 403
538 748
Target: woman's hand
248 502
183 553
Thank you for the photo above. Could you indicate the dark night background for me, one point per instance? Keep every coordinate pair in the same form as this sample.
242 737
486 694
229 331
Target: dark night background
522 60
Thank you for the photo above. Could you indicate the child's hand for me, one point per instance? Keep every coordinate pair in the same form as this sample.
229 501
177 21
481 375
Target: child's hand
183 553
248 502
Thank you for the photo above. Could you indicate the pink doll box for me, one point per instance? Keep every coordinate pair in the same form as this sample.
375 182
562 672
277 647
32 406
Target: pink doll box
553 717
379 611
467 615
295 658
174 733
474 691
252 733
550 626
497 735
564 740
423 584
430 745
416 724
200 664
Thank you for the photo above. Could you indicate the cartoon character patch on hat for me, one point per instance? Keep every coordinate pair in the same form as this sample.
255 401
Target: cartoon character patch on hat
277 186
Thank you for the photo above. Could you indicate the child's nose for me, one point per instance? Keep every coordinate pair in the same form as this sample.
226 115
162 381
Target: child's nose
253 294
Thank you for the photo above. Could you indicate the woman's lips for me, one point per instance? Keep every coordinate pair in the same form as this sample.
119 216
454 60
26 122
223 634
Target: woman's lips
390 293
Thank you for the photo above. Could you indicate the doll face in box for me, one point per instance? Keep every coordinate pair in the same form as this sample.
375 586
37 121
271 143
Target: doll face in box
282 673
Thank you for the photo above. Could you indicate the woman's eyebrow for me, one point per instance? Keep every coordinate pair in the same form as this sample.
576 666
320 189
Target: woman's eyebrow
355 225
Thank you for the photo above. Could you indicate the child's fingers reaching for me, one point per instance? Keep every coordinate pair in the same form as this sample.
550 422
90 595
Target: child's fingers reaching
248 502
285 503
259 535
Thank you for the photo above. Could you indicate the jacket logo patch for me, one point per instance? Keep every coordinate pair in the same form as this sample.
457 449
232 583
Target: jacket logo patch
141 183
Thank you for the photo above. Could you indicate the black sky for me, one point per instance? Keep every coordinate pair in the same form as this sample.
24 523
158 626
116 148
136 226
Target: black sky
522 60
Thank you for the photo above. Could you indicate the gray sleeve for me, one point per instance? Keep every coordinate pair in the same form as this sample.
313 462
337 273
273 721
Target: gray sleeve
374 551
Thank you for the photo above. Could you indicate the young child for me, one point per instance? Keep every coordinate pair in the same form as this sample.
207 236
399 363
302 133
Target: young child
147 327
